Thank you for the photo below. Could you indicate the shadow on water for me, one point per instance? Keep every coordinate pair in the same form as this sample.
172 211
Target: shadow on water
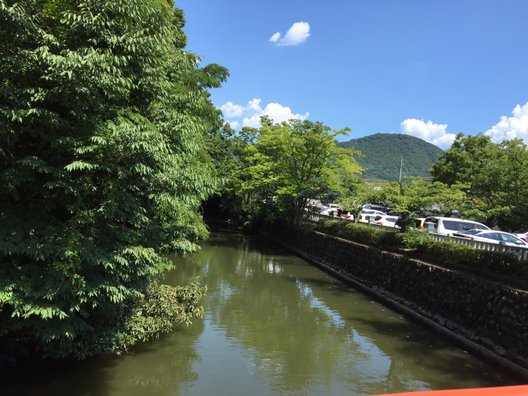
238 240
159 367
430 351
57 377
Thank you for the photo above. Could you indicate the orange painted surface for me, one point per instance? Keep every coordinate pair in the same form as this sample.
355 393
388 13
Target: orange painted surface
500 391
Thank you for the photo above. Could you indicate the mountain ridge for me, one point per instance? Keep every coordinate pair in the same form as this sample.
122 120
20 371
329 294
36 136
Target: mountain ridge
382 153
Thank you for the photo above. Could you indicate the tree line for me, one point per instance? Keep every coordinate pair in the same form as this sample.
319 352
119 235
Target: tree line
475 177
103 166
266 177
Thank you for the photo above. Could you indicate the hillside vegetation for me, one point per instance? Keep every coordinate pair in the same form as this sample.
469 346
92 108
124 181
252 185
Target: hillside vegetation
382 153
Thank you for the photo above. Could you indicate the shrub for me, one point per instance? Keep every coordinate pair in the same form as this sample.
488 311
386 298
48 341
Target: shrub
413 239
495 262
360 233
436 251
162 307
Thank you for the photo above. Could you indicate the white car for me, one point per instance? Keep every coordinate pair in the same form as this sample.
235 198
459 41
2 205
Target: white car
332 211
523 236
387 221
451 225
366 214
492 236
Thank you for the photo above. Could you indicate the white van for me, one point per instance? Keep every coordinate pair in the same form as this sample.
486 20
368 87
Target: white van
451 225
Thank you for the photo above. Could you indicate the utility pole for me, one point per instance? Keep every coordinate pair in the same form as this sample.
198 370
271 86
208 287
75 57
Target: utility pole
404 217
400 178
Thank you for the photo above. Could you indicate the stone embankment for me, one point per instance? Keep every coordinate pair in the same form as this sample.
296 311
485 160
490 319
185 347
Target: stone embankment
487 317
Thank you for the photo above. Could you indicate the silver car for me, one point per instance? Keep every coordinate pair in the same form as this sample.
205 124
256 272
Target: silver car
491 236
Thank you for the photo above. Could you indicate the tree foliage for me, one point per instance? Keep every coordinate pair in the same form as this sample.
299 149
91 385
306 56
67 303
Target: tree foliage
495 175
477 177
277 168
413 196
103 161
420 197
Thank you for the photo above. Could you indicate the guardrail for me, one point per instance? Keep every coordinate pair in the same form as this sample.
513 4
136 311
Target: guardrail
521 253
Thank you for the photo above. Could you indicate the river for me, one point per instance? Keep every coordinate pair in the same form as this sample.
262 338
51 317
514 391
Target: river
273 325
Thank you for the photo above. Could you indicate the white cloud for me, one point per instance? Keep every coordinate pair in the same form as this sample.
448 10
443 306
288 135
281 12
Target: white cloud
276 112
234 124
253 121
275 37
254 105
231 110
249 115
297 34
430 132
512 127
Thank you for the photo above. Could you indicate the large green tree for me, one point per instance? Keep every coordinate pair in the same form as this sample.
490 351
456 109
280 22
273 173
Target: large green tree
103 164
495 175
284 165
417 197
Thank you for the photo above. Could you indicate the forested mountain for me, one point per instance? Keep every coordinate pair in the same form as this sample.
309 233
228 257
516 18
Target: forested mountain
382 153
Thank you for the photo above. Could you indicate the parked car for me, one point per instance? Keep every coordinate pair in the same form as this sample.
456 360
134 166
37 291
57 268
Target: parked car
419 223
523 236
492 236
451 225
326 209
329 212
387 221
365 215
332 210
348 215
380 208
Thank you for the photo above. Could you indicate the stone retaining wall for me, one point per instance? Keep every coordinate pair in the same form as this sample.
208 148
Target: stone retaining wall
488 317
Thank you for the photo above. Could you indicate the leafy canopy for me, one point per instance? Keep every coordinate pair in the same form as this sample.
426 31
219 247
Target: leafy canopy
284 165
495 175
103 162
412 197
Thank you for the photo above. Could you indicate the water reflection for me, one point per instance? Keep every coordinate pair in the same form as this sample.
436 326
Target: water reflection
152 369
273 325
303 332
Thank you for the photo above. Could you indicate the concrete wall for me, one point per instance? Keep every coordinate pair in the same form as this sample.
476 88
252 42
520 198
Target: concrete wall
488 317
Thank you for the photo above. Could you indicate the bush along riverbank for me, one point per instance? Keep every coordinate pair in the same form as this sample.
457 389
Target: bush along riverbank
417 244
488 316
158 312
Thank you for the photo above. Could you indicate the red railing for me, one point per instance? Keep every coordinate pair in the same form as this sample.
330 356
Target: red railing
499 391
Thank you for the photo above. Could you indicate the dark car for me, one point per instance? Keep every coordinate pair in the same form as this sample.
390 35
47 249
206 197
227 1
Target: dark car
380 208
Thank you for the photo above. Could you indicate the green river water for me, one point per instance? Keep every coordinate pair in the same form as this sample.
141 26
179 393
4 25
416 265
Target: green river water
273 325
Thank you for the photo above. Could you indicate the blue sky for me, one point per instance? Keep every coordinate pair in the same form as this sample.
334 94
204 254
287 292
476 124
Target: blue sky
430 68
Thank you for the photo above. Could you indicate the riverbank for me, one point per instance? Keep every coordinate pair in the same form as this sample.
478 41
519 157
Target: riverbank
489 318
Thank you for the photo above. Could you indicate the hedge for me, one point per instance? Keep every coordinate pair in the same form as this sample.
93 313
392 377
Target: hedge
437 251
